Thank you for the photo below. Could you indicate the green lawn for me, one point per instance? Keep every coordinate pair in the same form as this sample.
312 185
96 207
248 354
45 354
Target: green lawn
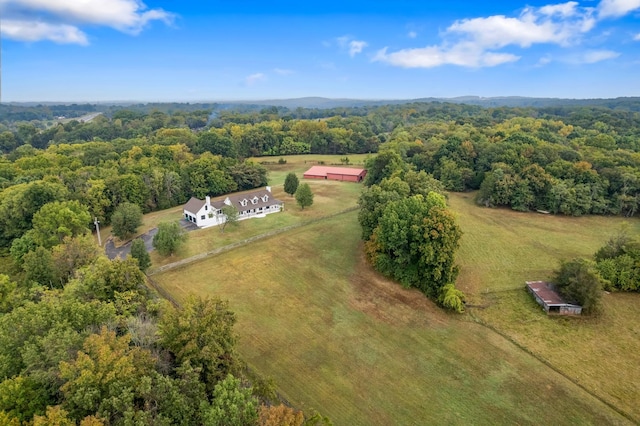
329 197
501 249
337 337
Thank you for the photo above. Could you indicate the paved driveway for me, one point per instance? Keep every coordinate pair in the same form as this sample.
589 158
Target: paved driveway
112 251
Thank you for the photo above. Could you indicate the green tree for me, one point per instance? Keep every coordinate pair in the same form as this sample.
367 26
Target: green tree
291 183
60 219
119 281
201 333
415 243
73 254
230 214
125 220
139 252
106 378
577 281
39 268
304 196
169 238
232 405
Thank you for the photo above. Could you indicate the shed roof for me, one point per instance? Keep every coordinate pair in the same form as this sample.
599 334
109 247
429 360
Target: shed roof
545 292
323 171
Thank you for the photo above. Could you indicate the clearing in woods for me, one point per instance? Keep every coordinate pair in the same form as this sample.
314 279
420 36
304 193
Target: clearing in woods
339 338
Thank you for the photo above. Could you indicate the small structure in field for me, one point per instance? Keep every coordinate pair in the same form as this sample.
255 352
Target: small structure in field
547 297
348 174
208 212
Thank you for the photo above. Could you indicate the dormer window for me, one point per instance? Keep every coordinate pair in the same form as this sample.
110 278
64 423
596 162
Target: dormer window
254 200
265 198
244 202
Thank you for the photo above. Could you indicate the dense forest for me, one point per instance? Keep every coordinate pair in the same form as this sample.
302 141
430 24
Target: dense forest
69 317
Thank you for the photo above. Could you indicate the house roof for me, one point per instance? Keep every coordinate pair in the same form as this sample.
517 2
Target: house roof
194 205
546 293
324 171
236 200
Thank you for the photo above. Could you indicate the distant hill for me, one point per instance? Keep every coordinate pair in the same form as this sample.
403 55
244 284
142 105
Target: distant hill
627 103
49 109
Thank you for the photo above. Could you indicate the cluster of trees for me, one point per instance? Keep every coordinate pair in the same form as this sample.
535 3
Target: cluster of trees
103 176
533 164
409 233
614 267
83 341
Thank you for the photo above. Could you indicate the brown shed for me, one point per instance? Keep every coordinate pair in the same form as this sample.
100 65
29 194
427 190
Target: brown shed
348 174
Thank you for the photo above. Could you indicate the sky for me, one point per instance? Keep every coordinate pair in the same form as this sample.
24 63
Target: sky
213 50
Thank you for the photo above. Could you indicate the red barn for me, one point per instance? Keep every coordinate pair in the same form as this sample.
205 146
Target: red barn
335 173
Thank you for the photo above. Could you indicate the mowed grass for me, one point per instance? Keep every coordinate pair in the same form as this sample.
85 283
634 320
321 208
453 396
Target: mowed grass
339 338
330 197
501 249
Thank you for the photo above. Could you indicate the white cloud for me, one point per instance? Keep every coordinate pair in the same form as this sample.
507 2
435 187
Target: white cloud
544 61
283 71
412 34
254 78
353 47
593 56
34 31
60 20
637 37
477 42
617 8
434 56
356 46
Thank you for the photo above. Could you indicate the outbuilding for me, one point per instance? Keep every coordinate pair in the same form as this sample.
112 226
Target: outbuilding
547 297
348 174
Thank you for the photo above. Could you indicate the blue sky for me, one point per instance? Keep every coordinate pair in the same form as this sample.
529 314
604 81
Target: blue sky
109 50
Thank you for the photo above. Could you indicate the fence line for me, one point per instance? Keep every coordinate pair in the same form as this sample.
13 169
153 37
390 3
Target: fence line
241 243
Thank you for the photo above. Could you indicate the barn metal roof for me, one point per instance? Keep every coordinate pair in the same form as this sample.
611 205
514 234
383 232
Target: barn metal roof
323 171
545 292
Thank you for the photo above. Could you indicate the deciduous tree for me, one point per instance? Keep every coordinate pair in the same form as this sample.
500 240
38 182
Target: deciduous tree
60 219
232 405
201 333
125 220
304 196
169 238
139 252
291 183
230 214
578 282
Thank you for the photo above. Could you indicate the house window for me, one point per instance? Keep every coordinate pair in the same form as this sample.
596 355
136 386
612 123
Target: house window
206 207
254 200
202 217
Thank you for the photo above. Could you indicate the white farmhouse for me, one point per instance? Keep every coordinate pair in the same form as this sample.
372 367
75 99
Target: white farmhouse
207 212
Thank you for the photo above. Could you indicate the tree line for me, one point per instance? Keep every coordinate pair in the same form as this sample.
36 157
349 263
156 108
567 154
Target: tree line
95 347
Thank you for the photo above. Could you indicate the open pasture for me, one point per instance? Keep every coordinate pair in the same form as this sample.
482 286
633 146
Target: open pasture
339 338
501 249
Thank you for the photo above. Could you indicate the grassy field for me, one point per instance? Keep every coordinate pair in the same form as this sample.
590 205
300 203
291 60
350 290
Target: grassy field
502 248
339 338
329 198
